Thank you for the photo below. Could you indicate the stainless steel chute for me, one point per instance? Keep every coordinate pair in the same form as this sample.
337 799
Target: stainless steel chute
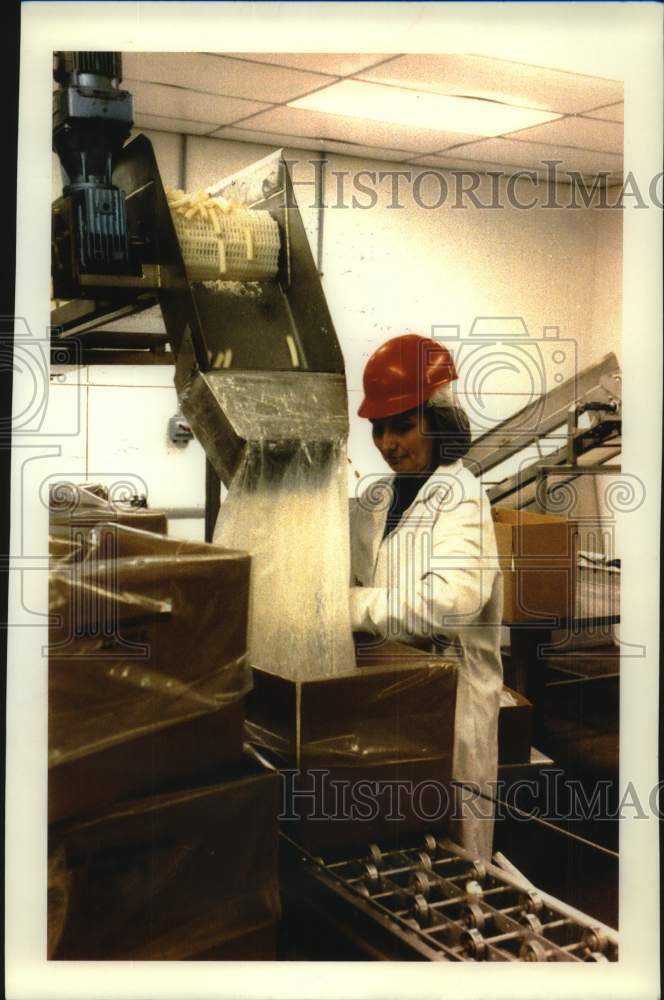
283 376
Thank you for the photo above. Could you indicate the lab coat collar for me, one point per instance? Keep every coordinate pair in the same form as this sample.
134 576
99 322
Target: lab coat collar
443 473
441 476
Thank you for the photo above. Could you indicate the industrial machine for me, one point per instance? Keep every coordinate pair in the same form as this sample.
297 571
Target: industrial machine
257 361
281 338
552 424
92 119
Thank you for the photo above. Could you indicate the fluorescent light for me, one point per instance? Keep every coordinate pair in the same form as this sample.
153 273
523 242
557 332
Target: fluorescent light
400 106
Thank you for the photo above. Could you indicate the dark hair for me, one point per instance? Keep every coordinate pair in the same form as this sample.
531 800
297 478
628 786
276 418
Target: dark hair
451 428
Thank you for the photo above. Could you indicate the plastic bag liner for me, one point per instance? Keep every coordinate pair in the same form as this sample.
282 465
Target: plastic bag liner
169 876
165 906
144 631
344 744
287 507
376 715
73 506
59 887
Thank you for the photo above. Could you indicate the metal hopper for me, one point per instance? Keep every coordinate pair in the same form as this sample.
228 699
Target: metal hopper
259 363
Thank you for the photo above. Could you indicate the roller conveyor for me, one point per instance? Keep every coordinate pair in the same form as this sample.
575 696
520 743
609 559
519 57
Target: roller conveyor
430 901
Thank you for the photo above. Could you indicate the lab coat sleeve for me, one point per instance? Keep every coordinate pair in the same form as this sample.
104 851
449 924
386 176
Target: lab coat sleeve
442 578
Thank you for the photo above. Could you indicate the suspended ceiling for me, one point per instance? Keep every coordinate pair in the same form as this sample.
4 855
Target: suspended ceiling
246 97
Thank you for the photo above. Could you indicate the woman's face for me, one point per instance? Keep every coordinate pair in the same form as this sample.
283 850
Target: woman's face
402 444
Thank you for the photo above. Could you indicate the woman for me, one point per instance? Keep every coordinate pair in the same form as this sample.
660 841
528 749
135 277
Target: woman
423 554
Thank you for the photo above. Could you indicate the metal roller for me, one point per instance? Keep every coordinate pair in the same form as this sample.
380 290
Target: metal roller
420 884
421 910
534 951
532 902
372 875
449 906
473 944
376 855
532 922
596 939
473 916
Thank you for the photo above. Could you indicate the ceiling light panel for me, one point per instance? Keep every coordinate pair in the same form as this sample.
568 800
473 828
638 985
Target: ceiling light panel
588 133
396 105
219 75
333 63
498 80
176 102
314 125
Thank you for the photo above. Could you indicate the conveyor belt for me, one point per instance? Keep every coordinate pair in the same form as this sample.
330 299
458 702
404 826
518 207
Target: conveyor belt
430 901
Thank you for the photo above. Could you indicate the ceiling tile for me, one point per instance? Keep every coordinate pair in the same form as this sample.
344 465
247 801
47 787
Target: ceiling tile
298 142
162 123
531 155
176 102
586 133
611 113
327 145
334 63
316 125
216 74
452 162
497 79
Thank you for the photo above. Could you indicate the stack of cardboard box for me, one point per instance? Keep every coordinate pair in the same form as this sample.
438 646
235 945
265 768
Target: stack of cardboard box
162 828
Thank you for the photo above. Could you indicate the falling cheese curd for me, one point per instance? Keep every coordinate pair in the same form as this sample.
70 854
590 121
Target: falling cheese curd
287 506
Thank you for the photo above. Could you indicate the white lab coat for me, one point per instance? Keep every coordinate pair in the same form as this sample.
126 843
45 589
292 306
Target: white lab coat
437 575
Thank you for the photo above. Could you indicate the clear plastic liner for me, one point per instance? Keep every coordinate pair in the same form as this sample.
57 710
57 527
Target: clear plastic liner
59 888
375 716
144 631
73 506
167 906
62 549
170 876
368 744
371 732
287 507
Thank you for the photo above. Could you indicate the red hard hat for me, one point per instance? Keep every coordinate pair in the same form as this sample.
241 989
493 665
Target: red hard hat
404 373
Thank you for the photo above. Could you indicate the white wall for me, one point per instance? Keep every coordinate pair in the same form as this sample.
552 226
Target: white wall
122 413
391 270
606 331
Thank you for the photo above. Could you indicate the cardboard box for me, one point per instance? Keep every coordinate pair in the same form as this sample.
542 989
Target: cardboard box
537 555
365 754
170 876
515 724
254 946
143 644
181 753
